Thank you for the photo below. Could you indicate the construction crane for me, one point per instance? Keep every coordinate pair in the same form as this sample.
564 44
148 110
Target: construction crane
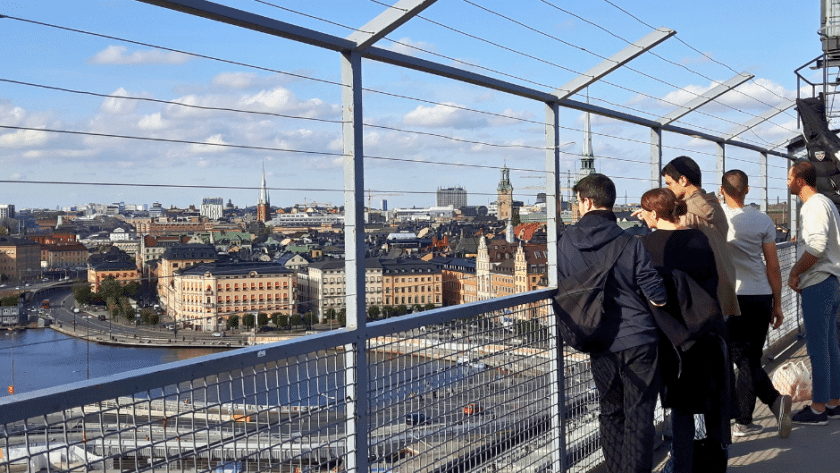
380 194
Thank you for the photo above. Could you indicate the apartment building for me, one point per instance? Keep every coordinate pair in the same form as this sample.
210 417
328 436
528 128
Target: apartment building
180 257
206 295
323 285
411 282
20 259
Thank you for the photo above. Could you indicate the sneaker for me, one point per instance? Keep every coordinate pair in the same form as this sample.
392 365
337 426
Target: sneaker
781 409
742 430
833 412
808 417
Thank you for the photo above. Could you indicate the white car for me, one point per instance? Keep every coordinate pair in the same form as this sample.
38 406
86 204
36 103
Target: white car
217 334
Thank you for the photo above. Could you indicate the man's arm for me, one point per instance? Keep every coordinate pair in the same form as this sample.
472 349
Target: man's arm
804 264
774 277
648 278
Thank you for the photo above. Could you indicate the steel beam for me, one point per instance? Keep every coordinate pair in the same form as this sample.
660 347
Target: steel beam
705 98
246 20
755 121
391 19
614 62
655 157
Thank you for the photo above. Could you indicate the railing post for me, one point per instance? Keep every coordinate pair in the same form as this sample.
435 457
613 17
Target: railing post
553 224
655 158
765 189
355 361
720 167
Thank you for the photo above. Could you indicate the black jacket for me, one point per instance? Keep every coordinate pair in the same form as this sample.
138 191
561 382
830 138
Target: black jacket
632 283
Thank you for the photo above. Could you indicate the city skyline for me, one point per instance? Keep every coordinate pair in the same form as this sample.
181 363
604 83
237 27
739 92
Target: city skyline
134 122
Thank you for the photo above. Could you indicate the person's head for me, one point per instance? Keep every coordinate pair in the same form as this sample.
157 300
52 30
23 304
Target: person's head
735 184
662 204
802 174
595 192
682 175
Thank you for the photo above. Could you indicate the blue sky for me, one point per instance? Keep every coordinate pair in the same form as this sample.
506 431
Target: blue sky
409 115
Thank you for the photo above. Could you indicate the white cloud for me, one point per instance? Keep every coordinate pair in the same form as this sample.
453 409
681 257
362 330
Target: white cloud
235 80
282 100
120 55
443 115
152 122
24 138
215 139
116 105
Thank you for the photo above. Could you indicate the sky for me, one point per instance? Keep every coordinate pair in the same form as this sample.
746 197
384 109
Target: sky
93 95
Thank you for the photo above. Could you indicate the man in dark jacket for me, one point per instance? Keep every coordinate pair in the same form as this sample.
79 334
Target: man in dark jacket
626 374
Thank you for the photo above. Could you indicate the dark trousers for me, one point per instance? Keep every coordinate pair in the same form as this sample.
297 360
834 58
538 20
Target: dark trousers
628 382
747 334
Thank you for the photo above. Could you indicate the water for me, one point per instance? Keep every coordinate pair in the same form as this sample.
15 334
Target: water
44 358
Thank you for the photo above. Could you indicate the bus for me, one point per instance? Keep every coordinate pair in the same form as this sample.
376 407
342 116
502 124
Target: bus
45 304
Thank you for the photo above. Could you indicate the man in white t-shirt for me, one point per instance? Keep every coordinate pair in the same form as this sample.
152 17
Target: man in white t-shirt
751 235
815 276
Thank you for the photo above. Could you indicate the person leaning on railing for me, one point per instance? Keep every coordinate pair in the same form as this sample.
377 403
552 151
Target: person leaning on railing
815 276
626 374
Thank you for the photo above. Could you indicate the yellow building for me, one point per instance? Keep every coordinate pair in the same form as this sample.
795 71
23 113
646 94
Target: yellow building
20 259
206 295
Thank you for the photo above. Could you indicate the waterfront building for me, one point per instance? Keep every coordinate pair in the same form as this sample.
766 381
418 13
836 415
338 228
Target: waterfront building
206 295
454 196
458 280
322 286
122 270
177 258
63 256
20 259
153 247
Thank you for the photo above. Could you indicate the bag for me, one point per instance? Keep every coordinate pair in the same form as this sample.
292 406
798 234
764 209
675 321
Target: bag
794 379
579 304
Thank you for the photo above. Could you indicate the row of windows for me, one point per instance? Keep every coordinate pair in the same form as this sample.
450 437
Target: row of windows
403 289
411 300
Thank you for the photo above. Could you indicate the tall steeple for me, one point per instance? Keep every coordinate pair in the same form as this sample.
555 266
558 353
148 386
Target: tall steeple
505 195
587 158
264 204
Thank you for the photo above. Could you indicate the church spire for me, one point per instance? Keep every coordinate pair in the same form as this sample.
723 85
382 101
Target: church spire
263 206
264 189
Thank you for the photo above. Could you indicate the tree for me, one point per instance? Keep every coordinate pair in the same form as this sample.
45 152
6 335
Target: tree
342 317
296 320
430 306
275 318
129 313
131 289
149 317
82 293
233 322
113 307
387 311
417 308
248 320
262 319
402 309
373 312
330 314
110 288
309 319
283 321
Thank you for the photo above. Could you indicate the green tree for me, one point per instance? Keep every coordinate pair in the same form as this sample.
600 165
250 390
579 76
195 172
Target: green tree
330 314
342 317
402 309
233 322
283 321
262 319
129 313
113 307
387 311
110 288
149 317
82 293
131 289
275 318
430 306
296 320
309 319
10 301
248 320
373 312
417 308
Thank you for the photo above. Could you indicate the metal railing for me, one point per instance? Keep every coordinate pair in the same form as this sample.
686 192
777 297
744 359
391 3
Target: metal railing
465 388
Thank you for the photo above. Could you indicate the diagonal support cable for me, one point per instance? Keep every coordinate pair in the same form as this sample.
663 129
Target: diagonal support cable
614 62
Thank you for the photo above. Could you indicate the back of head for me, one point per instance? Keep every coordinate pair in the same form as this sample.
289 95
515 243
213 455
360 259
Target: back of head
683 166
805 171
735 184
665 204
598 188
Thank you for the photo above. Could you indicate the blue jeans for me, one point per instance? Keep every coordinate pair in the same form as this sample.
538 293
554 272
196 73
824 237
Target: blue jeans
820 304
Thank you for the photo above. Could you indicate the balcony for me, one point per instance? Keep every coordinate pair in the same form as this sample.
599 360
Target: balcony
395 401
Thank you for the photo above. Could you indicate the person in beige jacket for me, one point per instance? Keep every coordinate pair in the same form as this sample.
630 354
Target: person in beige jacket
682 175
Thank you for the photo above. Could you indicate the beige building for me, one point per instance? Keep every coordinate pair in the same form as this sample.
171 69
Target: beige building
122 271
204 296
63 256
179 257
411 282
323 286
20 259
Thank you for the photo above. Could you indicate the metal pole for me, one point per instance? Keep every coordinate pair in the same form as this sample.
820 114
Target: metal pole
765 189
355 361
720 167
655 157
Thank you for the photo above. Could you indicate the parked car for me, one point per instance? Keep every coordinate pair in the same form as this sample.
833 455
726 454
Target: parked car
415 419
472 408
217 334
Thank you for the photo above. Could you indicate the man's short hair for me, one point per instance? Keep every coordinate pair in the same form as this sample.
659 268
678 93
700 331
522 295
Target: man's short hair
806 171
735 183
683 166
598 188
